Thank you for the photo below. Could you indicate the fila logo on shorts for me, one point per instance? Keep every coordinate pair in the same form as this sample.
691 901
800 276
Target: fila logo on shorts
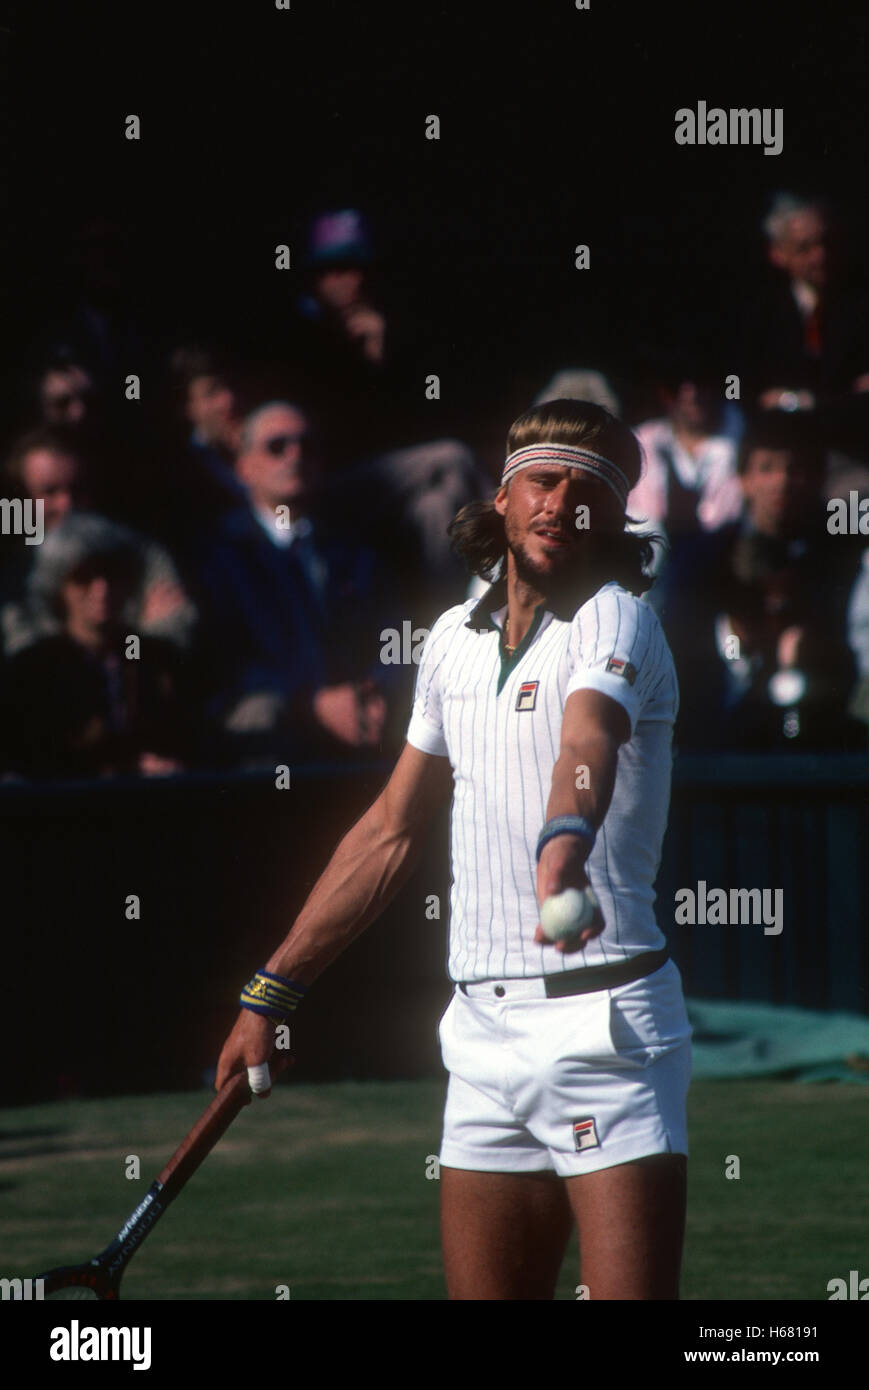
585 1134
527 697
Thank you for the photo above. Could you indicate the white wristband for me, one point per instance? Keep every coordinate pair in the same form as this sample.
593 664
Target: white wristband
259 1078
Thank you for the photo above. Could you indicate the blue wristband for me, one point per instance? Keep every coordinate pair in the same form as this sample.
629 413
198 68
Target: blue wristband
566 825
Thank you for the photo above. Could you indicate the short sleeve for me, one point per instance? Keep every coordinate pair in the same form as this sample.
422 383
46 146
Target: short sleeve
616 647
425 730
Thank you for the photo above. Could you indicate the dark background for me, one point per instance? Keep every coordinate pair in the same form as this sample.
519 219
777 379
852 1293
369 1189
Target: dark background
557 127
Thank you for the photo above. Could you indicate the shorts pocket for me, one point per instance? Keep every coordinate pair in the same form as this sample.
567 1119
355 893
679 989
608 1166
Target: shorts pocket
445 1020
648 1017
579 1031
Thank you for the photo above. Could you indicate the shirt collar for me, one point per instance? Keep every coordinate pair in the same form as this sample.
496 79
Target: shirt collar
807 297
481 615
495 597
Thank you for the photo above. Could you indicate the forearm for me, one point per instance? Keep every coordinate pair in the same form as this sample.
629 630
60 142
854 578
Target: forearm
583 779
368 868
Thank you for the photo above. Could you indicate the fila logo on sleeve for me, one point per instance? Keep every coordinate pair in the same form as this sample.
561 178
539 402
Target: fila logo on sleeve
527 697
585 1134
622 668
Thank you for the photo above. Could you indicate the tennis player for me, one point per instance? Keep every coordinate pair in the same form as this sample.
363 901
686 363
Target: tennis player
546 708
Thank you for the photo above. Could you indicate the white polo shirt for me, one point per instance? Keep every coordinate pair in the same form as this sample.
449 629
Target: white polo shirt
499 723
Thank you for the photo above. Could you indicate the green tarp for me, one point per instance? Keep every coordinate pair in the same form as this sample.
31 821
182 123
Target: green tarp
743 1039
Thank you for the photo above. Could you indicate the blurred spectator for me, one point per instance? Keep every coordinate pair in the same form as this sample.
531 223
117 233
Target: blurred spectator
64 395
402 502
66 392
45 466
757 613
98 327
84 701
357 365
358 337
689 481
341 347
207 400
292 611
339 296
806 338
577 384
104 321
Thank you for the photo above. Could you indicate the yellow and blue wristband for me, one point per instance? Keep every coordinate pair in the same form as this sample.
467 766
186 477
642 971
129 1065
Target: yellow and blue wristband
272 995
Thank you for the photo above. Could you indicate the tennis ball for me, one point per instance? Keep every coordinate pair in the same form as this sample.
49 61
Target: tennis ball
565 914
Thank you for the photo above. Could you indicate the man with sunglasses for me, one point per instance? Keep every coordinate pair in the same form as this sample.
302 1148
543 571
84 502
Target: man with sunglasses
287 598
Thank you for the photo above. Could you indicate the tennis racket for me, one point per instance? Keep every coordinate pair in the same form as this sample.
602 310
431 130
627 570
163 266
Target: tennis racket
100 1278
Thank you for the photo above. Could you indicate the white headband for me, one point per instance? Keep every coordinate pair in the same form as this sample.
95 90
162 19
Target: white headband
569 456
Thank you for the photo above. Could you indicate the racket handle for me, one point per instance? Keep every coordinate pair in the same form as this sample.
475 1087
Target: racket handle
210 1126
214 1123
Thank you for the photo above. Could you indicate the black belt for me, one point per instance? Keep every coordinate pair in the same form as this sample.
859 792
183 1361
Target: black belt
593 977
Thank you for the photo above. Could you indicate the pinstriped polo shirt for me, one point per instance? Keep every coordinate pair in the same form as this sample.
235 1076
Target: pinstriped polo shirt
499 723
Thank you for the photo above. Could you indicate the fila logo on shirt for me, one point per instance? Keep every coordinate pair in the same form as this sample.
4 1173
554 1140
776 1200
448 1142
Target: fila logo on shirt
527 697
622 668
585 1134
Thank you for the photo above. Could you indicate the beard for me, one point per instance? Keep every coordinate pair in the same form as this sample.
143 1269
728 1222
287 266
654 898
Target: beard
572 570
539 577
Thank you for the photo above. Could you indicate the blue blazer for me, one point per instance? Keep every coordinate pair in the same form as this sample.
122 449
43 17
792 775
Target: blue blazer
263 624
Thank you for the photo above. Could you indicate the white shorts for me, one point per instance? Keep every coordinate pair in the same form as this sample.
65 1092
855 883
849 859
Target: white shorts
565 1085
